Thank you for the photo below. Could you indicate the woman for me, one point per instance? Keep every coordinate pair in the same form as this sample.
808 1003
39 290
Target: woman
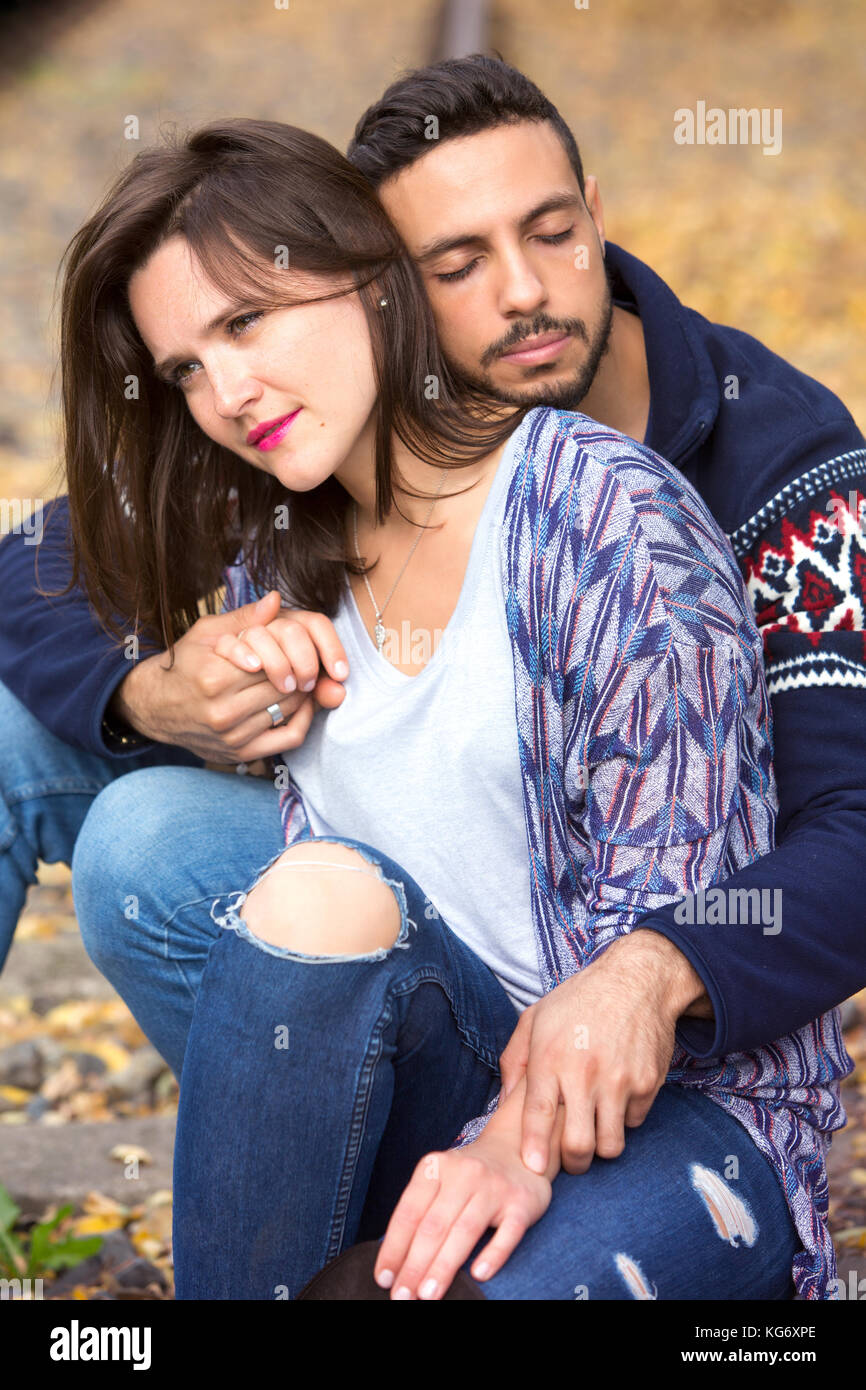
588 737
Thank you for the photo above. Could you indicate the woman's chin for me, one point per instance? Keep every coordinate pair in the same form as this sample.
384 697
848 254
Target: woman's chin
296 476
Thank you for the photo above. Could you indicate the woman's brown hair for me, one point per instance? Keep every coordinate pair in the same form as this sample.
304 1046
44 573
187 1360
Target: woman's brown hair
157 509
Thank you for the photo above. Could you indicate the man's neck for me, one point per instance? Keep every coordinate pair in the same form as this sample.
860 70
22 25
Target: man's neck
620 393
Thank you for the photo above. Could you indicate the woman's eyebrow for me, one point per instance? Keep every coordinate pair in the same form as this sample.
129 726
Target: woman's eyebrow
557 201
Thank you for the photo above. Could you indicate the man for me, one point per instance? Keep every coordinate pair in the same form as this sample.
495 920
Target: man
531 301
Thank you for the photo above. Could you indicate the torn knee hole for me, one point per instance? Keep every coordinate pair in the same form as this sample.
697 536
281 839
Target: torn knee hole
324 899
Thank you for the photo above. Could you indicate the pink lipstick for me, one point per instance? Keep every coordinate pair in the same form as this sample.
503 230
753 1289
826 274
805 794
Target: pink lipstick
269 434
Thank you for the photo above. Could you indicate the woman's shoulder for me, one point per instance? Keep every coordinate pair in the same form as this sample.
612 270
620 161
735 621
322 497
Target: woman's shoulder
628 517
580 448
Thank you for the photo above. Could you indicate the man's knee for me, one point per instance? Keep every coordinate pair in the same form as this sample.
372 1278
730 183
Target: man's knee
119 819
324 899
125 838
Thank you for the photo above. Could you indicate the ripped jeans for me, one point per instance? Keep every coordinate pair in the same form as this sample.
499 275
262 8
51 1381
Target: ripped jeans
312 1085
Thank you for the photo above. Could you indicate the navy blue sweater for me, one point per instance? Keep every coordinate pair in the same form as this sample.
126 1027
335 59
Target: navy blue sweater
776 456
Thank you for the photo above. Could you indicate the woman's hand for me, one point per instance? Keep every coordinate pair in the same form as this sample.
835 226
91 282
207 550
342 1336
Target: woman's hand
451 1200
289 649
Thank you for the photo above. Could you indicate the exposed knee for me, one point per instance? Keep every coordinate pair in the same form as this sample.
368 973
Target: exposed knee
324 911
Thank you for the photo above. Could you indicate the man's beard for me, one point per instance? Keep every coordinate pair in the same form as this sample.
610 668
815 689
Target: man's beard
562 395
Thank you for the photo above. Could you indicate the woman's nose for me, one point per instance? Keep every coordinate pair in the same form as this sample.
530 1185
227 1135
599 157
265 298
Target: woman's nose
233 389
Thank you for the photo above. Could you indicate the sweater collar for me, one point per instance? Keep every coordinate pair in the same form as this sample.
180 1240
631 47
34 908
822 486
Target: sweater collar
684 391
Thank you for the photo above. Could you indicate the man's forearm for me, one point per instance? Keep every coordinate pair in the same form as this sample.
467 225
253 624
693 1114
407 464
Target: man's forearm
131 706
785 942
54 655
767 979
685 992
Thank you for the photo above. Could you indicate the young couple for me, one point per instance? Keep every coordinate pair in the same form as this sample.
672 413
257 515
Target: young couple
423 982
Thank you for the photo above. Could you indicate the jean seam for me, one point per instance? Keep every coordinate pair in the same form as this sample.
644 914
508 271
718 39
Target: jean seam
364 1089
356 1131
164 933
29 791
32 791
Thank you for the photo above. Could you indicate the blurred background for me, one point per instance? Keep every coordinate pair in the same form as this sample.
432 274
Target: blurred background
772 244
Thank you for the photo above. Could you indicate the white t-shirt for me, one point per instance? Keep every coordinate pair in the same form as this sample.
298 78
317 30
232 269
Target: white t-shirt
426 768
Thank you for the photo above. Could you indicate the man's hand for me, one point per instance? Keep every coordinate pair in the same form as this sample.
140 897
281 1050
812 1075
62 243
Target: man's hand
218 709
601 1043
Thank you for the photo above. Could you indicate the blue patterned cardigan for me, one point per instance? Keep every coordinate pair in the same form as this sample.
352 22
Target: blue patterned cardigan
645 741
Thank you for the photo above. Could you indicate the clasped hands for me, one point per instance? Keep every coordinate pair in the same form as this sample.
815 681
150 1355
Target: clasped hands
228 669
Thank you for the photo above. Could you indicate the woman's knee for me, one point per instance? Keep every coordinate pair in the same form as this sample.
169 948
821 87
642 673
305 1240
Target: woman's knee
323 898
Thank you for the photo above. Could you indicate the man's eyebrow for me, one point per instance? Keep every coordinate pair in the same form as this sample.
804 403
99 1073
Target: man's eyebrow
168 364
557 201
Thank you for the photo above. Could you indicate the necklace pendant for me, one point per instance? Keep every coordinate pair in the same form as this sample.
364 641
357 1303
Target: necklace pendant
380 635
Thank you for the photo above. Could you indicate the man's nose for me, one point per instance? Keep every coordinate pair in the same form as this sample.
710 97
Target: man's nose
521 290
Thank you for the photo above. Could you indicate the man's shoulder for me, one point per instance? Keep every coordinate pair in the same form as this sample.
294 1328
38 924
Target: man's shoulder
742 360
720 362
776 428
782 443
741 421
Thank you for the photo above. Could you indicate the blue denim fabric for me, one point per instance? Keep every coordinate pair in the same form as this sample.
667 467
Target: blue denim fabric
46 790
157 848
637 1226
312 1085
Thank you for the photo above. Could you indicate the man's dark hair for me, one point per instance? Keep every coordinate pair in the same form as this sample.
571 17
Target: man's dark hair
465 95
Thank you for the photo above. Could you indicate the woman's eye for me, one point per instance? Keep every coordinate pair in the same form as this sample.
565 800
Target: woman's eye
557 237
458 274
183 373
244 321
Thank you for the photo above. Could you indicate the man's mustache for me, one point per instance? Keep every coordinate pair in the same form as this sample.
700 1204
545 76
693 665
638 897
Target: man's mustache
520 332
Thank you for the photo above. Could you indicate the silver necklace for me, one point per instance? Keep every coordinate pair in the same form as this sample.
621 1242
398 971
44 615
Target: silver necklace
379 629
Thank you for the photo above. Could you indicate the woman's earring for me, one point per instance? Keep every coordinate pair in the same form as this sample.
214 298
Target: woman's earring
383 303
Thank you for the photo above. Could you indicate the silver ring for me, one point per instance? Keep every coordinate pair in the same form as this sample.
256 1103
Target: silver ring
277 716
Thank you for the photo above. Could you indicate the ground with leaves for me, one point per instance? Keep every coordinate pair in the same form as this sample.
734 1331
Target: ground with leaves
83 1063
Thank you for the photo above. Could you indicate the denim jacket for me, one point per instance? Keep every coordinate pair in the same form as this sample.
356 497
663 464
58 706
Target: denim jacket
645 739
